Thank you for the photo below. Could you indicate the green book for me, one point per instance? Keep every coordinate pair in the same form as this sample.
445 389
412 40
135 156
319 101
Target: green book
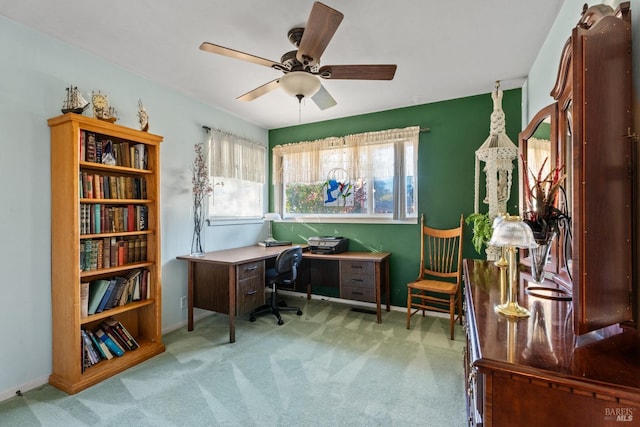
97 288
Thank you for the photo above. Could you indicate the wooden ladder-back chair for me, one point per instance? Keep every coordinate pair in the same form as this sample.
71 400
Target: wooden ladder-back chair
438 286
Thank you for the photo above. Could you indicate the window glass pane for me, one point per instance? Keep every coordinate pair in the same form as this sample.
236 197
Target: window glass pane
366 175
235 198
410 176
383 174
237 166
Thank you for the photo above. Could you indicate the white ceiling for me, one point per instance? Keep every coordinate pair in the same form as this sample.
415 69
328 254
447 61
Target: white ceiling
444 49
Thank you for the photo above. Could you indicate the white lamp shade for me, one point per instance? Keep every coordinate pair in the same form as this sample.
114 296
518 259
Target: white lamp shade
300 83
514 232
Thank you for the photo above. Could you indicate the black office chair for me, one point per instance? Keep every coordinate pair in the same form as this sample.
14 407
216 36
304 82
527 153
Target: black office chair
284 272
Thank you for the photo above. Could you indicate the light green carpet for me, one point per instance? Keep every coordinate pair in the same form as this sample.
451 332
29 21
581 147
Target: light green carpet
332 366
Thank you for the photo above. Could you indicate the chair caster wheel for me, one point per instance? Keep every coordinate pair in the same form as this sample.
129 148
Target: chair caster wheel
252 319
280 322
299 312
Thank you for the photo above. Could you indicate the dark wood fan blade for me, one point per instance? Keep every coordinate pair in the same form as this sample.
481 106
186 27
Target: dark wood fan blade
358 72
260 90
323 99
321 26
220 50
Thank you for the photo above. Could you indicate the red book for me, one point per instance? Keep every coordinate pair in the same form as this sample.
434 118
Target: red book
131 218
121 248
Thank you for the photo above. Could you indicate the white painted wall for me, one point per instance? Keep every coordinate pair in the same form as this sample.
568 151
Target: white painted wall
543 73
34 71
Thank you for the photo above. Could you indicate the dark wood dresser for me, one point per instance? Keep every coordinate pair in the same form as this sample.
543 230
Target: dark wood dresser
535 371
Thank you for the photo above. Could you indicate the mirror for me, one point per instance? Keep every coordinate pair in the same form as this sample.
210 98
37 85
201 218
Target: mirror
538 149
536 144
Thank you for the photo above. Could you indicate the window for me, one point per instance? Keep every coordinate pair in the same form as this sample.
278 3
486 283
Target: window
367 177
237 168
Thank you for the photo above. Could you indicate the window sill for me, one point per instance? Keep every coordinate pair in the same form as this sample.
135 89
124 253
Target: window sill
343 220
221 222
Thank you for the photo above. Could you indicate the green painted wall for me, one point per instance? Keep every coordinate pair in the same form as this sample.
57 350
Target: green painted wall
446 172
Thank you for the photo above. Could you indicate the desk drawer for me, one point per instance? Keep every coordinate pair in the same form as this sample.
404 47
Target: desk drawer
250 290
250 295
358 293
250 269
357 280
356 268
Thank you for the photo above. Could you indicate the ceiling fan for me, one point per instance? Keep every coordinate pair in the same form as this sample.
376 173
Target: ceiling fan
301 67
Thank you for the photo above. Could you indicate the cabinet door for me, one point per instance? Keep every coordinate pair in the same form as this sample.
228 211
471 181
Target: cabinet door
602 177
593 91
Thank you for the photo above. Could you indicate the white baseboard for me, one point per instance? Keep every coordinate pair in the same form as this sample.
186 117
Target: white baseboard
23 388
369 305
197 315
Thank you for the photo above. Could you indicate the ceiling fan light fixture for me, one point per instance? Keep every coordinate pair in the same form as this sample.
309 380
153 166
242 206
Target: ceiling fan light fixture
300 83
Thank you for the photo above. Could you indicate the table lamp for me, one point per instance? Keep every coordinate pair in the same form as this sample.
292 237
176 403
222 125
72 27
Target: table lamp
512 233
271 216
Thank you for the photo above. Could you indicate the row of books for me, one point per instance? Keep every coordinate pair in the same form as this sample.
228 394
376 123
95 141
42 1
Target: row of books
100 186
104 294
111 339
96 254
96 218
97 148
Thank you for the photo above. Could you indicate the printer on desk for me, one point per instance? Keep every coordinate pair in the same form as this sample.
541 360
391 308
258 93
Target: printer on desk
328 245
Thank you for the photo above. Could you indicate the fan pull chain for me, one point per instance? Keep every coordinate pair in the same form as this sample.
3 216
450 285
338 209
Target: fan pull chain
299 108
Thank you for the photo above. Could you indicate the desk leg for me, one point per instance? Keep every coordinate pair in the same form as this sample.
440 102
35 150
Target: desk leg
232 303
190 278
378 280
387 284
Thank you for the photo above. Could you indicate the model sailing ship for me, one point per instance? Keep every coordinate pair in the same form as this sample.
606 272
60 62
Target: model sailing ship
143 117
74 101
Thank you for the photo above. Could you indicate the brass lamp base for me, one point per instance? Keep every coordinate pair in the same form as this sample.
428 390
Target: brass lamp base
511 309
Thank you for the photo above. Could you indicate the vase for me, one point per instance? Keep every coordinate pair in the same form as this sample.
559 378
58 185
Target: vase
540 257
197 240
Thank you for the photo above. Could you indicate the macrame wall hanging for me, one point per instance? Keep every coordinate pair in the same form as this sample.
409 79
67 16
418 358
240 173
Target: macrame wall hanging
498 153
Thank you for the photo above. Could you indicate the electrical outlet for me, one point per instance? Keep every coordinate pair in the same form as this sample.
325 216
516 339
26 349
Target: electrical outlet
183 302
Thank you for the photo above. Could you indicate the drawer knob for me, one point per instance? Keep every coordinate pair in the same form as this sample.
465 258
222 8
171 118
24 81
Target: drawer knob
253 292
252 268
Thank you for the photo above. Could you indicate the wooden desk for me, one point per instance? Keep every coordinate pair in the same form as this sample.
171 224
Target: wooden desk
232 281
536 371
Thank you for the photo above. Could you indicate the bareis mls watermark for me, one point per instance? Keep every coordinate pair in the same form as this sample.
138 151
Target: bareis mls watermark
619 414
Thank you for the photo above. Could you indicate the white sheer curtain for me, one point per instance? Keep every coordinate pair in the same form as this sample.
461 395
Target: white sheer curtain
538 150
311 161
233 156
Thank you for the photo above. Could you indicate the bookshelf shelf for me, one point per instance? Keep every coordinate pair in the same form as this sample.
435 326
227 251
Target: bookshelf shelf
116 201
115 234
115 311
119 169
91 274
72 160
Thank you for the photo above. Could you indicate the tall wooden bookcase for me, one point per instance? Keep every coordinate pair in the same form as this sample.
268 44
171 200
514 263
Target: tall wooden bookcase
142 318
